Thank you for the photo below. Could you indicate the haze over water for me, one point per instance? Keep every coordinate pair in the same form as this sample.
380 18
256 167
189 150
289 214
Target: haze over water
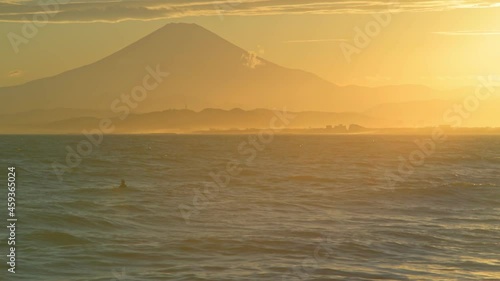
300 196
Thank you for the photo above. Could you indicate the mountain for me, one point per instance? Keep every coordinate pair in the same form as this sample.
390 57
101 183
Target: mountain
205 71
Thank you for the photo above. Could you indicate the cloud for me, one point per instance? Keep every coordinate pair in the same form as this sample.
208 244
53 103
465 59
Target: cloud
116 10
15 73
317 40
467 33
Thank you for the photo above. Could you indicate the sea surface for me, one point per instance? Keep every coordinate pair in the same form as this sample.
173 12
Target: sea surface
293 208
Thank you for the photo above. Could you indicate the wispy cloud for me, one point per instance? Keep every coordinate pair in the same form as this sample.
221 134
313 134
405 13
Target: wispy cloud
317 40
114 10
467 33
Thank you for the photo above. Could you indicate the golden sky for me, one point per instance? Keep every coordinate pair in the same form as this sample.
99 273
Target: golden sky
443 44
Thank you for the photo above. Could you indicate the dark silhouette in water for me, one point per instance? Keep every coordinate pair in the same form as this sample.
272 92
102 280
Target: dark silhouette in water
123 184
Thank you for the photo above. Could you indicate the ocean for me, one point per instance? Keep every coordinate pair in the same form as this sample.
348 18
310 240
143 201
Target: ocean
235 207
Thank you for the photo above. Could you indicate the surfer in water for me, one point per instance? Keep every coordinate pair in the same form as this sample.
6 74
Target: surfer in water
123 184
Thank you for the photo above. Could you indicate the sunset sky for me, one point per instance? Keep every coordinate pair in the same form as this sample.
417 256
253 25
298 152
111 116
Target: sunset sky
442 44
